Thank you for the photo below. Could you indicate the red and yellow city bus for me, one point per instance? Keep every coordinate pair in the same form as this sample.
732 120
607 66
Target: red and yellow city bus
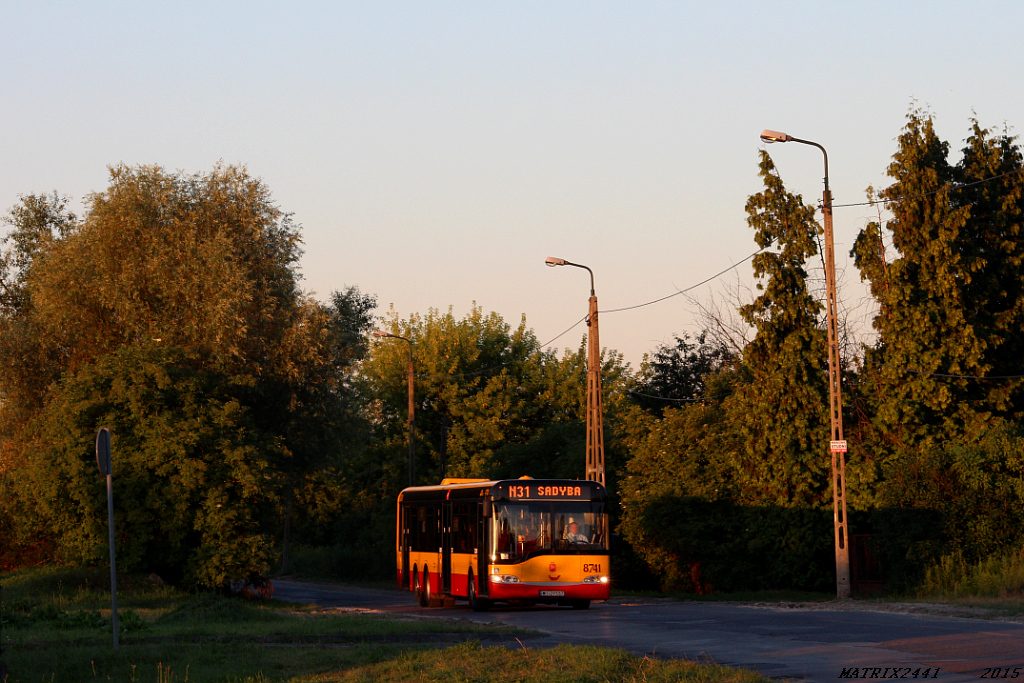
520 541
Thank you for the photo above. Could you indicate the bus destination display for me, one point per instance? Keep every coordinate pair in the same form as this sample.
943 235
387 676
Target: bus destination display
547 491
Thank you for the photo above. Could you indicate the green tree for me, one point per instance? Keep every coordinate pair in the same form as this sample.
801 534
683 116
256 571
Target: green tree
26 369
943 405
677 373
557 445
35 223
171 313
480 386
678 456
195 479
468 376
952 300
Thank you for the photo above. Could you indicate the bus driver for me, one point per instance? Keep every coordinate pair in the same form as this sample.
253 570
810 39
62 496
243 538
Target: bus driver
572 533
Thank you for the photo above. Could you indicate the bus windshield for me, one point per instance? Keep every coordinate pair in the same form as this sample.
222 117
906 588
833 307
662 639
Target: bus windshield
525 529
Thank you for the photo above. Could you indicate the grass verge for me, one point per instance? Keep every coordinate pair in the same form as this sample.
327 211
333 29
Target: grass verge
184 662
56 628
362 664
471 662
55 604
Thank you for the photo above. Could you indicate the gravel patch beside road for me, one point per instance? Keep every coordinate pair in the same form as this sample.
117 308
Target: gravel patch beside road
925 609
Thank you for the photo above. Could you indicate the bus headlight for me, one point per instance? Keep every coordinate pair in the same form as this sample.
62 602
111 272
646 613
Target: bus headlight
504 578
595 579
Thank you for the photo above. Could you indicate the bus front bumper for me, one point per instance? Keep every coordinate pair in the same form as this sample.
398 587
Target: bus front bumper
553 591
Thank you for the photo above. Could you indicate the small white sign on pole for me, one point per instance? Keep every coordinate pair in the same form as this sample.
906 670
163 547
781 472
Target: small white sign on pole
837 446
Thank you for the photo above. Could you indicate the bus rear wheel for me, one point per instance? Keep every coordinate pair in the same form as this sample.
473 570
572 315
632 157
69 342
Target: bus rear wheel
425 595
476 603
421 594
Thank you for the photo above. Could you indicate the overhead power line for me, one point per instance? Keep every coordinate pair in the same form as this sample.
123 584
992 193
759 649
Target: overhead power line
943 375
684 291
952 186
612 310
699 399
947 186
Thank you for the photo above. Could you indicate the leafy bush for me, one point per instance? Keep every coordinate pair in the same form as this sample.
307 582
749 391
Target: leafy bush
81 618
960 503
129 621
701 546
996 576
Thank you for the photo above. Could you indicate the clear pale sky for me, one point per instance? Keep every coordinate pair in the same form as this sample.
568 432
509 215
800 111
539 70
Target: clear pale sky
436 153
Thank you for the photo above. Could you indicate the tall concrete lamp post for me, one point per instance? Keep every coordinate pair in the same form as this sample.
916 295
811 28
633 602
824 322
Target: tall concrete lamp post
837 445
412 406
595 409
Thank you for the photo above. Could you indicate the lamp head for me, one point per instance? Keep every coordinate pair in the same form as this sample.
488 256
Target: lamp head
775 136
552 261
378 333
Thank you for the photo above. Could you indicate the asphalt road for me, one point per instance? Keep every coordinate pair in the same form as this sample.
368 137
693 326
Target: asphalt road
810 643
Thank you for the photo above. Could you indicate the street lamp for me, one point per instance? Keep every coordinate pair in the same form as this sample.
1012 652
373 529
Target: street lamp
412 407
837 445
595 419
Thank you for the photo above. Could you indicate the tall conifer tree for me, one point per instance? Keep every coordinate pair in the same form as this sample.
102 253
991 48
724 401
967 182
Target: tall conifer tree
781 412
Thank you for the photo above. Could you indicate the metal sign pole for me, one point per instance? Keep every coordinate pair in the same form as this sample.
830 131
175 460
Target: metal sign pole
104 461
3 667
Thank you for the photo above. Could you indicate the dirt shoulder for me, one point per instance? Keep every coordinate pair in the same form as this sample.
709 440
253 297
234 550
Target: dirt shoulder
938 610
924 609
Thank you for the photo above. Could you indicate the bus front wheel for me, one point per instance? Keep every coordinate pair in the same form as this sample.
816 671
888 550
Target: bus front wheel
476 603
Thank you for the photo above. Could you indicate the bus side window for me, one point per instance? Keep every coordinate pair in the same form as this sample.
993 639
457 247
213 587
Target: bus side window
477 524
419 529
427 534
458 529
462 529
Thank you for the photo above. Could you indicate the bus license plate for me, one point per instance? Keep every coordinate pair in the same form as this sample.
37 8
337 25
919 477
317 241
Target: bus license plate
552 594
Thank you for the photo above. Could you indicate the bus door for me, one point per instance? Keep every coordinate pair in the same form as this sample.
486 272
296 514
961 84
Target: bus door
446 547
406 527
483 549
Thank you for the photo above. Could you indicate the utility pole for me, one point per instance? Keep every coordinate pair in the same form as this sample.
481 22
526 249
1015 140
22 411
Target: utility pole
410 375
837 445
595 405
